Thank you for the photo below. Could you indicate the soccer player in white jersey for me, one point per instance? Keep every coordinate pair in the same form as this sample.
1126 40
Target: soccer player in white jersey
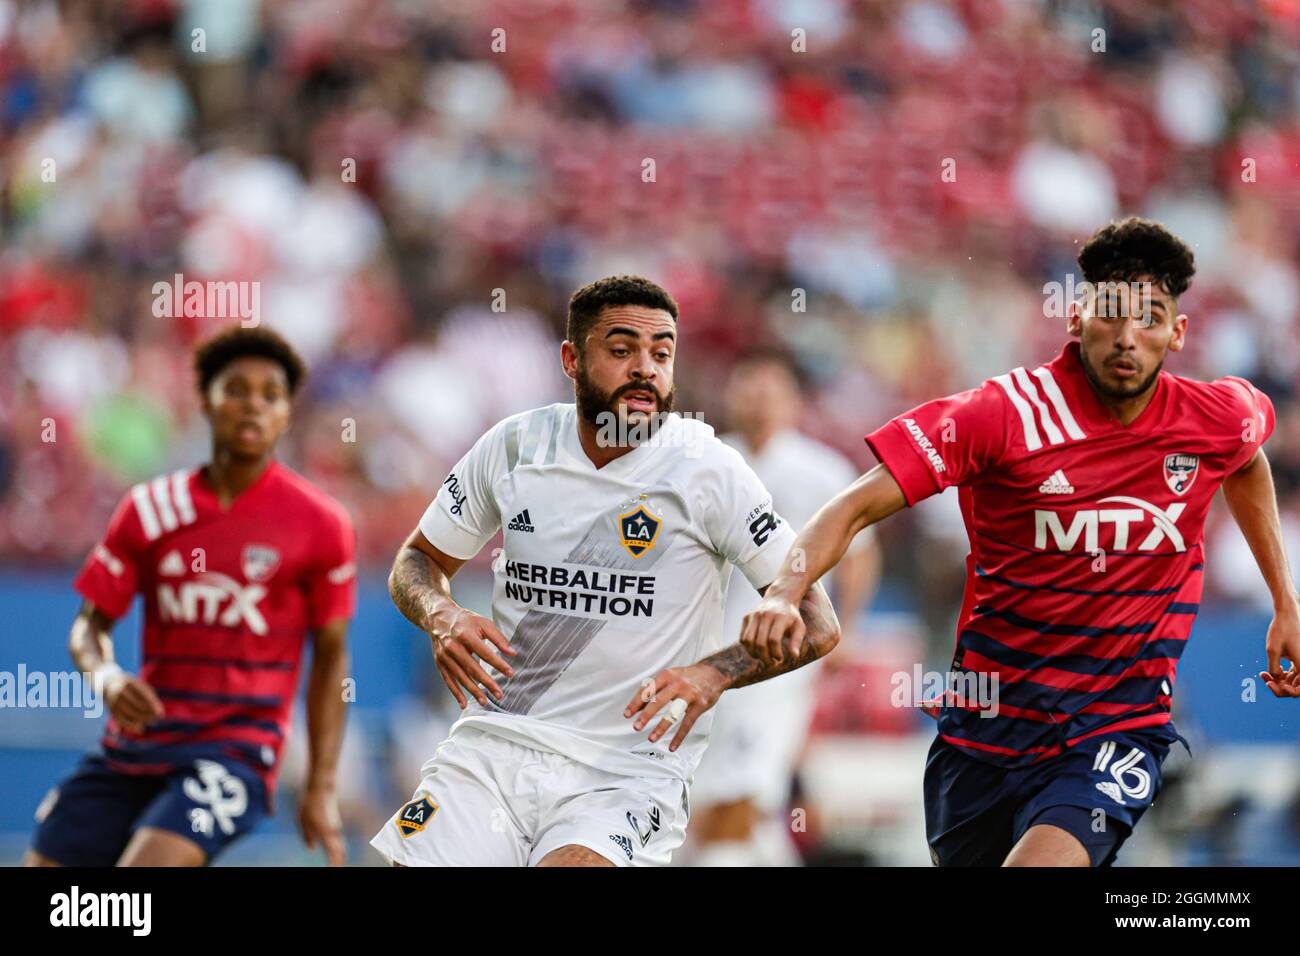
587 696
743 781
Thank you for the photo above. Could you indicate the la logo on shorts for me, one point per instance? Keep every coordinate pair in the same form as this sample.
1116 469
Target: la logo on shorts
413 817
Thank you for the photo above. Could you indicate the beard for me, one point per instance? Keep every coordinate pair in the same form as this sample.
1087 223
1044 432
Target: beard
1118 392
601 409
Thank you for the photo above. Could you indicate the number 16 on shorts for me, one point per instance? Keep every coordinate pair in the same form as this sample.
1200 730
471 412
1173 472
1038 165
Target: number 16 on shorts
1126 776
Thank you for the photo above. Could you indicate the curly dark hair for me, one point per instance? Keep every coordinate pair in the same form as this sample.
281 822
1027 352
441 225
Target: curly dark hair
236 342
1133 247
587 303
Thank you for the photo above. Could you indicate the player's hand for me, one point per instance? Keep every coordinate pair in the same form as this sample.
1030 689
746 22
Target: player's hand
766 628
699 686
1283 643
460 639
131 701
320 822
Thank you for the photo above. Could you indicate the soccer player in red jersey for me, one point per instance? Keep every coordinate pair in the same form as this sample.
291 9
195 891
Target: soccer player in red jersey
237 561
1084 485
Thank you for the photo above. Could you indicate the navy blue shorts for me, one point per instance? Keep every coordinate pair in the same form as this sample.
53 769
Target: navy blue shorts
88 819
975 812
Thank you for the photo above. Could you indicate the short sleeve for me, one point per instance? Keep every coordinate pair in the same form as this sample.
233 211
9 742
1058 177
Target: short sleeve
110 575
942 443
742 522
332 581
463 515
1253 422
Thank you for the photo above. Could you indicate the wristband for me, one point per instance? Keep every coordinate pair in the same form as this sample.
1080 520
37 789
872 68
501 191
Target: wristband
105 672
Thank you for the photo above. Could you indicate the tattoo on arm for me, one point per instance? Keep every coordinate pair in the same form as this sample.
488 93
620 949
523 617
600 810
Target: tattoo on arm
820 636
414 580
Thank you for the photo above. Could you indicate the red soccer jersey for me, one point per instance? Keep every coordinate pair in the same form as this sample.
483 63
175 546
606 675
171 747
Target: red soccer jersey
1086 561
228 597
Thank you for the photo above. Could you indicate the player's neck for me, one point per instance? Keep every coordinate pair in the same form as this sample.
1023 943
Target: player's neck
231 476
600 454
1126 410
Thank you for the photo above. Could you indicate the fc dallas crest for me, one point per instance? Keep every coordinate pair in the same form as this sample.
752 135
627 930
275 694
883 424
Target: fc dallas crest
1180 472
259 562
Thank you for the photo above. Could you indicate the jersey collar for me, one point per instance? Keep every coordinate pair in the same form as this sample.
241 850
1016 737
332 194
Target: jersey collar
621 465
203 487
1067 369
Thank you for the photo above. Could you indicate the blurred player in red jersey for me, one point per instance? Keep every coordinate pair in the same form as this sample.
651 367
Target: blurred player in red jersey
1085 485
237 561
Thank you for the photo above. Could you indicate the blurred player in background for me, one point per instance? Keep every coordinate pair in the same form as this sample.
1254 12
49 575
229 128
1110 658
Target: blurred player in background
1085 485
237 561
743 780
620 520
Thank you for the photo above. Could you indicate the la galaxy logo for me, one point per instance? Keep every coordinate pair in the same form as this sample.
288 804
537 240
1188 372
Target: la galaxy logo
259 561
1180 472
413 817
638 530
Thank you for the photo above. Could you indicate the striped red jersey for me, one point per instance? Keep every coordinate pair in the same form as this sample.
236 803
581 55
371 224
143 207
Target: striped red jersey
229 595
1086 562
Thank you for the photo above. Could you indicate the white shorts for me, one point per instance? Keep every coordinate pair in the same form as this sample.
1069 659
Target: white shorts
488 801
757 735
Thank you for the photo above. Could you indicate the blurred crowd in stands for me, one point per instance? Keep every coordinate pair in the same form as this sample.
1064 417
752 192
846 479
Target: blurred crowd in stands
883 187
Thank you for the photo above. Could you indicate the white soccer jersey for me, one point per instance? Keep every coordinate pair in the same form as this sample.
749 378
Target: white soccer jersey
607 577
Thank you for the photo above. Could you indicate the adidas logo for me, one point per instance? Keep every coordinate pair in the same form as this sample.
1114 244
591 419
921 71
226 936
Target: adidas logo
1111 790
173 565
521 522
624 843
1057 484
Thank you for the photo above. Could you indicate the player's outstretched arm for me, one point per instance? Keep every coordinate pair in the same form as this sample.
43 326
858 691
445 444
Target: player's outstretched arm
819 634
420 585
694 689
318 816
1253 504
130 700
777 624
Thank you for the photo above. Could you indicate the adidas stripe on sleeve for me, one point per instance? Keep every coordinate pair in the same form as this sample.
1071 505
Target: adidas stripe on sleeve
110 576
